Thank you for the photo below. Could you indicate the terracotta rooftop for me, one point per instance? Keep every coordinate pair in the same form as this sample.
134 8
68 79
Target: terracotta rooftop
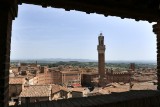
16 80
78 89
64 88
36 91
70 72
144 86
112 89
57 88
91 73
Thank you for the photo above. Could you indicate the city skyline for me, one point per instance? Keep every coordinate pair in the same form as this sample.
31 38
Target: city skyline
56 33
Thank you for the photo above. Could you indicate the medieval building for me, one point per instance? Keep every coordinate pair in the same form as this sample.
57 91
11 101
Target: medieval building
117 76
101 59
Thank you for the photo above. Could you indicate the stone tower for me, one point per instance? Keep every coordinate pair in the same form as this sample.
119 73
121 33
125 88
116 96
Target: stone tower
101 58
132 66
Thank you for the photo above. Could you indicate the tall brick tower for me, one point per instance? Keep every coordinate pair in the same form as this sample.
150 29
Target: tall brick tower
132 66
101 58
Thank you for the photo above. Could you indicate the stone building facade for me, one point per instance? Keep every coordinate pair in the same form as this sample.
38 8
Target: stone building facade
45 78
118 76
16 85
90 79
67 78
57 77
80 92
71 78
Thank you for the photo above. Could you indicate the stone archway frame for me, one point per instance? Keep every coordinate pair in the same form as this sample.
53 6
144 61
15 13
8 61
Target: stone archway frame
9 10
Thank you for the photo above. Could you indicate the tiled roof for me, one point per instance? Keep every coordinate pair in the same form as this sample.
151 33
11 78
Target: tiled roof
16 80
78 89
144 86
36 91
64 88
57 88
111 89
70 72
91 73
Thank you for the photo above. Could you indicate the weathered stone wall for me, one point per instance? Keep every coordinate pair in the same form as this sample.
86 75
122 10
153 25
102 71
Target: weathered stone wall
57 77
156 30
34 99
89 79
118 77
77 94
8 12
15 89
146 98
45 78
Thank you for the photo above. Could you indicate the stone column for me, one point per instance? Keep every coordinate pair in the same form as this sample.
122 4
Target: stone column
7 14
156 30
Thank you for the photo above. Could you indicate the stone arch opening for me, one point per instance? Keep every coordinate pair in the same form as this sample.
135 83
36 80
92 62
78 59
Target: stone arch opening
8 12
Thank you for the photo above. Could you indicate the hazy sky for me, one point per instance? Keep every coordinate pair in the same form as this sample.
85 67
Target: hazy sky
55 33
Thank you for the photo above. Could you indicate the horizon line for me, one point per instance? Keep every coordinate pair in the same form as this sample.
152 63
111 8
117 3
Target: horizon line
76 59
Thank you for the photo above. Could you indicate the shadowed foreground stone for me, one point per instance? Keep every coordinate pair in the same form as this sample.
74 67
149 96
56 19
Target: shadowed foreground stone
142 98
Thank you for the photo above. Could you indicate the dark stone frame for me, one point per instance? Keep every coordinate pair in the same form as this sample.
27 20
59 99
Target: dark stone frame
9 10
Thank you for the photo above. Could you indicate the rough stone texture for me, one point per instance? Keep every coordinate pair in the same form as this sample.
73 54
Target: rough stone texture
136 9
101 64
5 38
33 99
15 90
7 14
101 59
118 77
145 98
90 79
156 30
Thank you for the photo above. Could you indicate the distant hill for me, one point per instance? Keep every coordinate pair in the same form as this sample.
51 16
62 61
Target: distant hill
133 61
51 60
54 60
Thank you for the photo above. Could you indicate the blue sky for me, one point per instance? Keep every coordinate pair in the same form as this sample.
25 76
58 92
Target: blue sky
55 33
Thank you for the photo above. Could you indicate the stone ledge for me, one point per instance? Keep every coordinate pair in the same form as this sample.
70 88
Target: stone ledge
142 98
